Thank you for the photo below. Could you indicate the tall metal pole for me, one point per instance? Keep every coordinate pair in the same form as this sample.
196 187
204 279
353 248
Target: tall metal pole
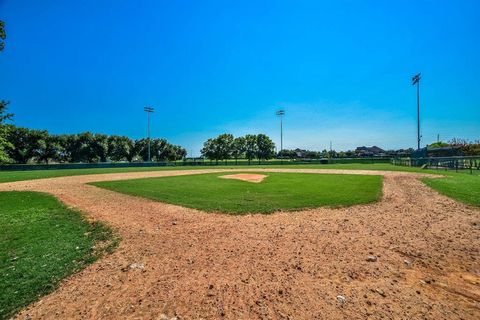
281 113
418 114
148 110
416 81
148 133
281 132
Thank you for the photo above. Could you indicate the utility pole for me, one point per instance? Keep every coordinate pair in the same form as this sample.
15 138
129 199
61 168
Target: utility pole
416 81
438 137
281 113
148 110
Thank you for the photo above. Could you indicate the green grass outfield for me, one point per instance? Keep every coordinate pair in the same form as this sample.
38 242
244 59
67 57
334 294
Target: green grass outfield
42 242
279 191
462 187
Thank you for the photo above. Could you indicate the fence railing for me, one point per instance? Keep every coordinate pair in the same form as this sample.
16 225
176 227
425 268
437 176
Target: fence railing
189 162
244 162
470 163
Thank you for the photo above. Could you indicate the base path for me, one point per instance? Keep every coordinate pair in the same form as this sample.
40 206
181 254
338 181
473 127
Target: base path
412 255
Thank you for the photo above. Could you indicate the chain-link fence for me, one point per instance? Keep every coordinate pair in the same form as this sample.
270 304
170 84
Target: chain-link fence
192 162
470 164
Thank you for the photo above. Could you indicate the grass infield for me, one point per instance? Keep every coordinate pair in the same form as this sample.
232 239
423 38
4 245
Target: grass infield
279 191
42 242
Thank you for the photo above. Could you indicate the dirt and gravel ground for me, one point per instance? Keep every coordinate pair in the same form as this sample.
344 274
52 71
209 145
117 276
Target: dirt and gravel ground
413 255
249 177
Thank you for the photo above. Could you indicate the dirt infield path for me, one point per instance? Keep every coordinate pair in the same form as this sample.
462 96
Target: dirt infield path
178 261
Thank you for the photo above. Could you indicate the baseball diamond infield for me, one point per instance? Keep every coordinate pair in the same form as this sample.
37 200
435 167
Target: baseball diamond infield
413 254
279 192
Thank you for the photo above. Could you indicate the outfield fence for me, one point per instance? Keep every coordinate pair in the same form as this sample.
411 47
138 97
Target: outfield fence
470 164
190 162
244 162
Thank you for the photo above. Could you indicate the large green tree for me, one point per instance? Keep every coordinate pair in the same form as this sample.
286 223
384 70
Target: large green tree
3 35
4 143
208 150
265 147
67 145
50 148
133 150
119 148
25 144
251 147
82 147
238 148
3 106
219 148
225 146
99 146
161 150
180 152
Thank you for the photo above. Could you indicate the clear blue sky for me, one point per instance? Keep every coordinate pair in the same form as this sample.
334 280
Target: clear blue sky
340 69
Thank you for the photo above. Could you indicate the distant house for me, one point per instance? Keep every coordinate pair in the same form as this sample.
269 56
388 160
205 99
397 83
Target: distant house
300 153
369 151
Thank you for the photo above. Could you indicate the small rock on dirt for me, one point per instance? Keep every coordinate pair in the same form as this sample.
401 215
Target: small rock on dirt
341 299
380 292
428 280
137 266
371 258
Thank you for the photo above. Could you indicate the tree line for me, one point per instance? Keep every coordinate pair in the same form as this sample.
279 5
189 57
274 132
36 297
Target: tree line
25 145
249 147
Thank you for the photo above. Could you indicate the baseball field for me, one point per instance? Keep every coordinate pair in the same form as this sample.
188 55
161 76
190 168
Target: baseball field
303 242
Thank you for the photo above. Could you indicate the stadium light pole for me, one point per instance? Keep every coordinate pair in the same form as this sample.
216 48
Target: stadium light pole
281 113
416 81
148 110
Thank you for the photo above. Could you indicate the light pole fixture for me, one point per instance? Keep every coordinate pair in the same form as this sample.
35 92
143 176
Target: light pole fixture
281 113
148 110
416 81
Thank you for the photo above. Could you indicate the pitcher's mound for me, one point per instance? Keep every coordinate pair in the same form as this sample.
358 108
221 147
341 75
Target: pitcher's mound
250 177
